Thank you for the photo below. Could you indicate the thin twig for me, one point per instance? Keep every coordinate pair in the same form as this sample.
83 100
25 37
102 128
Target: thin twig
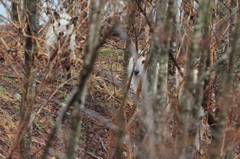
104 147
176 64
144 13
91 154
29 36
9 21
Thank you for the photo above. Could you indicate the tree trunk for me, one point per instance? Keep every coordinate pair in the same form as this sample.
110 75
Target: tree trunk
221 23
189 109
30 73
14 11
231 105
157 75
80 95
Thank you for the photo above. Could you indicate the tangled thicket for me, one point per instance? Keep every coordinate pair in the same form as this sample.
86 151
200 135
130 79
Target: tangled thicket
179 36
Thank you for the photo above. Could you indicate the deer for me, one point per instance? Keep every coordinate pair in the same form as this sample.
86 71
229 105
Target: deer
60 35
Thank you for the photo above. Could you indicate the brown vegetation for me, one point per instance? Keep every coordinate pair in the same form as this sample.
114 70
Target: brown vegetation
94 114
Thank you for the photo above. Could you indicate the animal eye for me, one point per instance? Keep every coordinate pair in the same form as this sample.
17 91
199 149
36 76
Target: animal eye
67 26
59 24
143 61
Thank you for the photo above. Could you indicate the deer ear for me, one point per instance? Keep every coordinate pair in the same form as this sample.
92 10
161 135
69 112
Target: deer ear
74 20
56 15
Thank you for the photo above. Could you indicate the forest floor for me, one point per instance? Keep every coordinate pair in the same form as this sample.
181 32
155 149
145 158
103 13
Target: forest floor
103 98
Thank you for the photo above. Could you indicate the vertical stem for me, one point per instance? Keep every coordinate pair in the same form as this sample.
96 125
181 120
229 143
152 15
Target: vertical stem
30 75
79 97
188 111
14 11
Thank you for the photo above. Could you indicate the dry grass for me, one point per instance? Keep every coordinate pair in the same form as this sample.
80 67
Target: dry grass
110 126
